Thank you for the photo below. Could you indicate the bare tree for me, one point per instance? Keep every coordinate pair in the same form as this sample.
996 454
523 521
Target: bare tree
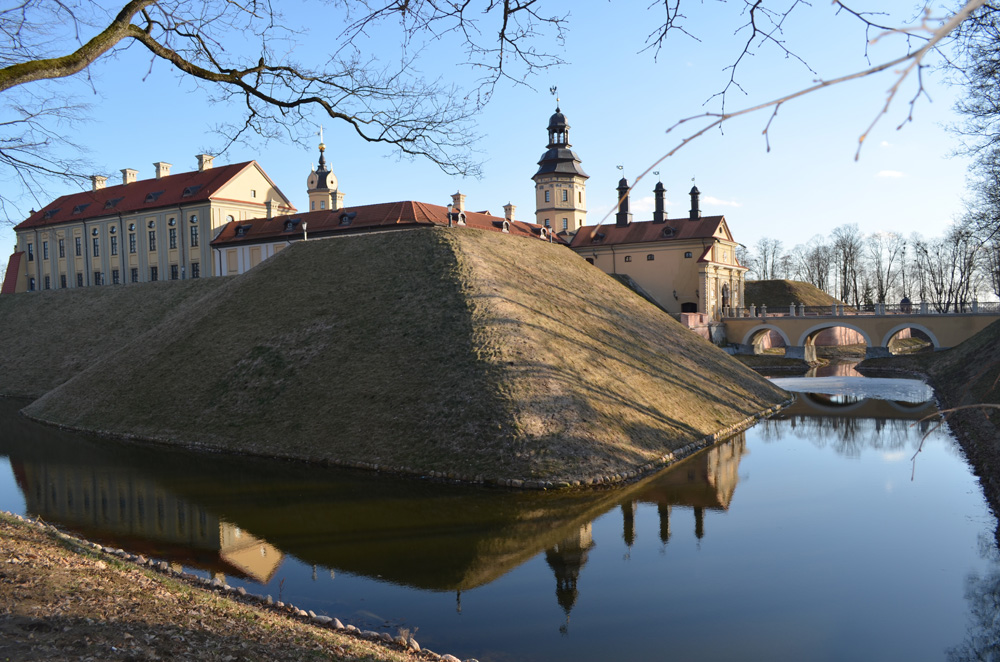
950 269
242 55
765 258
847 247
812 262
885 258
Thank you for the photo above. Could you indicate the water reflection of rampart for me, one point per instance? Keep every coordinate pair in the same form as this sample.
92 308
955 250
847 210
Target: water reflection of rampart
851 424
113 504
241 514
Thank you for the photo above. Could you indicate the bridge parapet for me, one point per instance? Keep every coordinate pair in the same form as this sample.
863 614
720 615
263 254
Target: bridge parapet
868 310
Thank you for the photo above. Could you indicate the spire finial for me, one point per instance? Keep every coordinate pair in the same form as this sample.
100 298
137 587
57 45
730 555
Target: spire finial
554 92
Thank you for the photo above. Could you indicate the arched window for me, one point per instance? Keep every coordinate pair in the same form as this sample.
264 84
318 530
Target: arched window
688 254
649 258
628 258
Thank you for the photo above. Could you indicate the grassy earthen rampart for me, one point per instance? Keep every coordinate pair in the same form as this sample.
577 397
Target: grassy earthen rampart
448 350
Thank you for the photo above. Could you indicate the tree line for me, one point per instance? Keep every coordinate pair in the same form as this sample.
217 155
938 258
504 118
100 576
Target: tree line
950 272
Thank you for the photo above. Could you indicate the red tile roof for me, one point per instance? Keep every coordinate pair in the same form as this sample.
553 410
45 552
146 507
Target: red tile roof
677 229
366 218
138 196
13 269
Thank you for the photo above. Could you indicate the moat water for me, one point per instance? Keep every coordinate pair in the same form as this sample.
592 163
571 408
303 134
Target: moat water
814 535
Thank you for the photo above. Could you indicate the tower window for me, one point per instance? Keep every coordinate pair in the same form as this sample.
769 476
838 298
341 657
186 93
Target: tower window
628 258
547 196
579 197
547 223
688 254
565 195
649 258
565 224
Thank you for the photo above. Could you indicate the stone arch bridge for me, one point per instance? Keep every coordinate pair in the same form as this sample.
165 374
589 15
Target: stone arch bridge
798 325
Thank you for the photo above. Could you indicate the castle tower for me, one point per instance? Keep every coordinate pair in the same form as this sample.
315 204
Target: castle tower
322 185
560 183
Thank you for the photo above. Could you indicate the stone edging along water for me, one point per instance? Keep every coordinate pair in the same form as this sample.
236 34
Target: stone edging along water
240 594
517 483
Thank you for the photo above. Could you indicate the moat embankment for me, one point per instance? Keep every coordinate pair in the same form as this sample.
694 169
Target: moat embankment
434 352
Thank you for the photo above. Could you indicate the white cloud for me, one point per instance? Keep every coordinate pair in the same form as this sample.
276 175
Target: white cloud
885 143
709 200
895 174
894 456
645 203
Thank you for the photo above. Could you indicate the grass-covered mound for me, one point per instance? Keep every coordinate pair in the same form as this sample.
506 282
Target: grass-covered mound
52 335
449 350
783 293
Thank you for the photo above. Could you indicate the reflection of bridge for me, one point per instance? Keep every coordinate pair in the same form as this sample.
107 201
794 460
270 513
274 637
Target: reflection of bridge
799 326
817 404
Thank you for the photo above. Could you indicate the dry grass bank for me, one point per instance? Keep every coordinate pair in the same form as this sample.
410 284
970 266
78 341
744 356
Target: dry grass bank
783 293
62 600
51 336
457 351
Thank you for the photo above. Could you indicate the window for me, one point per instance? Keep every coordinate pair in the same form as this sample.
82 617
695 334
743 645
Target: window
31 253
31 284
131 242
546 222
547 196
154 196
579 197
97 247
253 193
173 238
115 277
312 205
98 278
195 270
62 248
79 209
628 258
189 191
154 273
79 280
48 283
62 281
649 258
322 204
114 245
230 219
194 236
565 195
79 246
152 240
688 254
135 274
45 251
174 272
565 224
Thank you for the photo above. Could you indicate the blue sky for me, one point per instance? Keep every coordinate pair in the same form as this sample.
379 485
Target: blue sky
619 102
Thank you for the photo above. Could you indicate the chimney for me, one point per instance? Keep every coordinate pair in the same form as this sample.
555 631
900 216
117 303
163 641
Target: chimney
98 182
270 208
659 216
204 162
129 175
623 217
695 212
508 211
458 200
162 169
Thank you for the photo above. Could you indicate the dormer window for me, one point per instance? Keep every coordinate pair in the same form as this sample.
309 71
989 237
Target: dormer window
190 190
113 202
80 208
241 230
346 218
598 237
291 223
461 218
50 213
506 226
153 197
669 232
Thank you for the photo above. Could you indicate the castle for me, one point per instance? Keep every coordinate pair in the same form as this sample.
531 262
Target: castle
220 221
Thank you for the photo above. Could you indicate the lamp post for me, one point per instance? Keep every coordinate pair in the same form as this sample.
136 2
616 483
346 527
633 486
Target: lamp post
305 228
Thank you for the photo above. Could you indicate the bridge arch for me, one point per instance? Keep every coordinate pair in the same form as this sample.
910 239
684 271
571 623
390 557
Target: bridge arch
833 324
919 327
755 332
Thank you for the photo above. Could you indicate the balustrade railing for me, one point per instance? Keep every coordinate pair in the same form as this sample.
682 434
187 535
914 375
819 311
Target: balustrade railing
872 309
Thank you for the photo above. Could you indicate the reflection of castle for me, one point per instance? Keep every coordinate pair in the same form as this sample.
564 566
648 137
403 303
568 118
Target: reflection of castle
705 481
115 505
